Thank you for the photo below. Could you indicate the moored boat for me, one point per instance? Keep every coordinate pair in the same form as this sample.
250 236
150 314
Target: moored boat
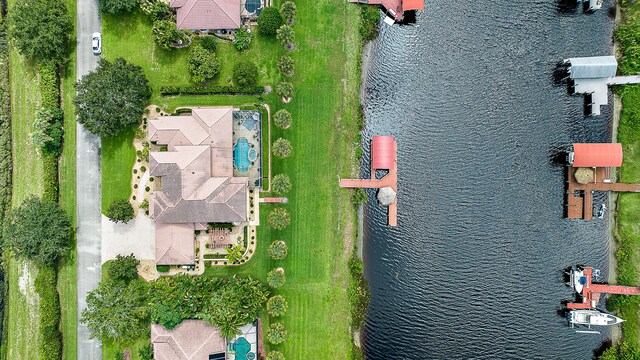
592 317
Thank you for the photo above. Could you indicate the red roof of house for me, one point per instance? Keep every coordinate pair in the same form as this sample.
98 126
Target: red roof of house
383 152
597 155
413 5
207 14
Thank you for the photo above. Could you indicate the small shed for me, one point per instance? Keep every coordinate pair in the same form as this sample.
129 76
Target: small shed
596 155
593 67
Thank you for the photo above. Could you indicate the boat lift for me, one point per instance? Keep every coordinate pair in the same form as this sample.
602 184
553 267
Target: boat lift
581 281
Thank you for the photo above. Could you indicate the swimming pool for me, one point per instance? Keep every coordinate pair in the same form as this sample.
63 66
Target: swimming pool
241 155
242 349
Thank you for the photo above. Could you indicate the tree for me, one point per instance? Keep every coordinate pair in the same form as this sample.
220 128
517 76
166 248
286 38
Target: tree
234 305
276 278
279 218
117 7
243 38
288 11
276 333
112 97
245 73
284 90
278 250
120 211
277 306
47 131
117 311
286 64
282 148
203 64
281 184
157 10
282 119
286 36
123 268
167 34
40 29
209 43
38 230
235 254
269 21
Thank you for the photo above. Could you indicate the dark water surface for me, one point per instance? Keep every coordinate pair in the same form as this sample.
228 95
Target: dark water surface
473 271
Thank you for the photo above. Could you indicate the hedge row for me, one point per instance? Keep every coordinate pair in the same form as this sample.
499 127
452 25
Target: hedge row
49 85
6 167
50 177
50 344
211 90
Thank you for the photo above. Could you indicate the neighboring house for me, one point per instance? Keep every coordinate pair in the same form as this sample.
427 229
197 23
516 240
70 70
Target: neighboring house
196 179
207 15
190 340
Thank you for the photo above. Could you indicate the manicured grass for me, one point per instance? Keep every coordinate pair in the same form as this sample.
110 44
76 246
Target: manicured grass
628 209
27 180
67 175
323 135
118 157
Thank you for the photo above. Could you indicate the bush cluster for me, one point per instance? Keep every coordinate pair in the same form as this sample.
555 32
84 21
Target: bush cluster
245 73
120 211
269 21
203 64
50 177
173 299
211 90
49 85
117 7
50 344
166 34
369 27
243 38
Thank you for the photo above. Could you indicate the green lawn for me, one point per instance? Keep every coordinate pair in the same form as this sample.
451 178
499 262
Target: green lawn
323 135
67 172
27 180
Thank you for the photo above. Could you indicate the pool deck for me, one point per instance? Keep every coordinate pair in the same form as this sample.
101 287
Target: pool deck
389 180
580 196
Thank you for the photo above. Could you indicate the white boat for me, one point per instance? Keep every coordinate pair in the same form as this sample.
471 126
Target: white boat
602 211
578 280
592 317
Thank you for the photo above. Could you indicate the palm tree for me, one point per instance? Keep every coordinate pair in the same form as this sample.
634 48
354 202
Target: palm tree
285 64
235 254
288 11
281 184
275 355
284 90
279 218
276 333
277 306
282 119
286 36
281 148
278 250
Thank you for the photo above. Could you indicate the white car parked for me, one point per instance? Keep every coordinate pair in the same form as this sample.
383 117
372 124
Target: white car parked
96 43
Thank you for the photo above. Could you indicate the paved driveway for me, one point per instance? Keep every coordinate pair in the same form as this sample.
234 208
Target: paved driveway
88 187
137 237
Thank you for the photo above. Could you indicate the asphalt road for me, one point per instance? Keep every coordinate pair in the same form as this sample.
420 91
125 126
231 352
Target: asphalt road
88 187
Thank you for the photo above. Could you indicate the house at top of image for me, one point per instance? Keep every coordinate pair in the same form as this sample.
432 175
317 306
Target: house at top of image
202 179
215 15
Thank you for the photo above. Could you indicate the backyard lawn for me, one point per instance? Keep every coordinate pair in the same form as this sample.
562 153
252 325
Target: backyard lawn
323 135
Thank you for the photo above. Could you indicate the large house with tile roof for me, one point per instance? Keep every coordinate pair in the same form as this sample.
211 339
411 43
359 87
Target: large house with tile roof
207 14
196 180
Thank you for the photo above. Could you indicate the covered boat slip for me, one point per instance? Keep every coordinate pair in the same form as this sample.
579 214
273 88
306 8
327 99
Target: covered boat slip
592 77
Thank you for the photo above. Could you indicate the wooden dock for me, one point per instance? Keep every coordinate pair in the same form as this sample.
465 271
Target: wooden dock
580 196
591 292
389 180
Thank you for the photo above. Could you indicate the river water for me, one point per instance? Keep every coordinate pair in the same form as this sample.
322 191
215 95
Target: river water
473 270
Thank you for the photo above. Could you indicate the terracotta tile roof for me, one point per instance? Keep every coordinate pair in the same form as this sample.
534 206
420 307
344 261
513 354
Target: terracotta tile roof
207 14
196 174
174 244
190 340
